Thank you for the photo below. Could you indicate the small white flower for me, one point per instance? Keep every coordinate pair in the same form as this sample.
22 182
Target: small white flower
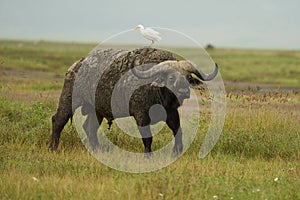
231 197
161 195
215 197
256 190
276 179
35 179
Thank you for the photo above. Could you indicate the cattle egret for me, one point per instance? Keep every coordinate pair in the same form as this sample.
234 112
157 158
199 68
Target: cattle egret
149 34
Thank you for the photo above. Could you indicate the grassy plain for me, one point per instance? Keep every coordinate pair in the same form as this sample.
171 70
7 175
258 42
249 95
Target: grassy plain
257 156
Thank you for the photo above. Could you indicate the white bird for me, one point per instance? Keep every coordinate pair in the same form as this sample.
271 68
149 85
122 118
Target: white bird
149 34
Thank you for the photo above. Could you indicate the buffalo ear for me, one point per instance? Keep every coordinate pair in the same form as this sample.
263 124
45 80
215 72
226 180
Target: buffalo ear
194 82
158 82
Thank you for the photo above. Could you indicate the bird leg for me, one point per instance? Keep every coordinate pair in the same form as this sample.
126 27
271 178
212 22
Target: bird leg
152 42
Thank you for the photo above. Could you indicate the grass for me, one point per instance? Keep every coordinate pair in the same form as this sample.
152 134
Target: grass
279 68
274 67
41 55
260 139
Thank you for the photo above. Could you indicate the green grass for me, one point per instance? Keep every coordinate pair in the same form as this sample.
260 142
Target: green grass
41 56
279 68
274 67
260 139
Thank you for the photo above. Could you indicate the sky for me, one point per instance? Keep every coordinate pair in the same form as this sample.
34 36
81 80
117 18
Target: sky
266 24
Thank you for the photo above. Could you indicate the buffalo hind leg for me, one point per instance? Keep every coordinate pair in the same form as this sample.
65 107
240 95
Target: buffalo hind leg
90 127
147 139
173 122
59 120
64 110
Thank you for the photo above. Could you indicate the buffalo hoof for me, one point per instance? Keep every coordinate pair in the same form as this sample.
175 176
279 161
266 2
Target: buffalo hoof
148 155
104 148
53 146
177 150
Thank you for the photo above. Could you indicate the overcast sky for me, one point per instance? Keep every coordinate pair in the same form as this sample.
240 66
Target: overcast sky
230 23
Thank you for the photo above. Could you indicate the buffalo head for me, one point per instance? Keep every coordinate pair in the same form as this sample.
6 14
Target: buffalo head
177 76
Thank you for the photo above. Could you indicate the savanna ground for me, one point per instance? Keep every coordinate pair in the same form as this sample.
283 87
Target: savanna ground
256 157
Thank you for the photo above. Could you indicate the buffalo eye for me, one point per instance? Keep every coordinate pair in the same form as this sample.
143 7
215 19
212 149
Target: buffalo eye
171 78
189 77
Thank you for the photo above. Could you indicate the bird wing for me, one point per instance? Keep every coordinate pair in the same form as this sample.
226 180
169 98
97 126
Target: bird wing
152 31
151 34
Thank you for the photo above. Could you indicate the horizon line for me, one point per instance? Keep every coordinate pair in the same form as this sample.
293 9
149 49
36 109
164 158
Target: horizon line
91 42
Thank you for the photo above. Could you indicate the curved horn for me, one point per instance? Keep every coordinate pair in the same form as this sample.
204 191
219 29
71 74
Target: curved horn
208 77
147 73
189 67
181 66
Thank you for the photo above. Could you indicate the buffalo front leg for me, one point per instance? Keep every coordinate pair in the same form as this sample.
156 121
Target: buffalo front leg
90 127
173 122
147 139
